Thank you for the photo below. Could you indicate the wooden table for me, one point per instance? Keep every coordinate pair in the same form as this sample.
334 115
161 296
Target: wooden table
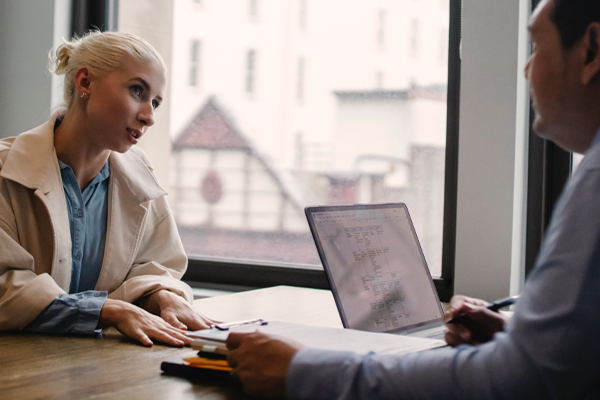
110 366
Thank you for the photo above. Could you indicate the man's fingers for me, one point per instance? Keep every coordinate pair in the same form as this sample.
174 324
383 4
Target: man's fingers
234 340
232 360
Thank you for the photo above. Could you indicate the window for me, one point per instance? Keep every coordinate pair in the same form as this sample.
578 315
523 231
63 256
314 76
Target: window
195 63
299 151
253 8
302 13
379 80
381 29
414 37
300 76
250 81
240 172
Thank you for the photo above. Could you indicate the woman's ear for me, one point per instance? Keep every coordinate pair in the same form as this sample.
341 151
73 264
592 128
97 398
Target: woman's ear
591 68
82 80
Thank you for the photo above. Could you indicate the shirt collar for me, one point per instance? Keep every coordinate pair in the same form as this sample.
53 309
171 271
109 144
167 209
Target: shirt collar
596 138
102 175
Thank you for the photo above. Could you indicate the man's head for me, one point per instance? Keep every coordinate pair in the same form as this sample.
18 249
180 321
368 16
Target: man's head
564 71
572 18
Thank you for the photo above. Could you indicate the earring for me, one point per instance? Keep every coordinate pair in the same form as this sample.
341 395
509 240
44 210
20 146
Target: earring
83 95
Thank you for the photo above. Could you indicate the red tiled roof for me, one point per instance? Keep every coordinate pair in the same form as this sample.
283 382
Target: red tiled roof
211 129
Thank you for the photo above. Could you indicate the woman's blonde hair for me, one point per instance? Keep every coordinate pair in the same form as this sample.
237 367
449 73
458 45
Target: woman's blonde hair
101 53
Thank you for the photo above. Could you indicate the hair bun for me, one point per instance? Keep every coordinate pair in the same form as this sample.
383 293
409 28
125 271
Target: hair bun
63 55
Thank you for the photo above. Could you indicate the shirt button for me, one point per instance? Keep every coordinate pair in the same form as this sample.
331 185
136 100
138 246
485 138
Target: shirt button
80 213
78 255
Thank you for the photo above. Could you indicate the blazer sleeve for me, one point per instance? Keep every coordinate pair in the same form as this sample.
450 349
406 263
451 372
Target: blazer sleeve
160 261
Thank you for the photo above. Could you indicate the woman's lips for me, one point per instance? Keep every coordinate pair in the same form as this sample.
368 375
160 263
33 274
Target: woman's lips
134 135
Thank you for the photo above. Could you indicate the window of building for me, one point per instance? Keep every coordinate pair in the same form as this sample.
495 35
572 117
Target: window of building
302 13
379 80
381 29
253 8
250 75
300 77
414 37
195 63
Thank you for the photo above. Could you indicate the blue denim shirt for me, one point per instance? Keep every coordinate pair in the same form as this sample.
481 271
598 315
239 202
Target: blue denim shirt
79 311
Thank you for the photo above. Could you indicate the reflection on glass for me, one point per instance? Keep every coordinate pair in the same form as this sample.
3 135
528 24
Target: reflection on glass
321 124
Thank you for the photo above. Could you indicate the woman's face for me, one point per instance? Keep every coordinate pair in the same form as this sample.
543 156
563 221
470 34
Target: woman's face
122 103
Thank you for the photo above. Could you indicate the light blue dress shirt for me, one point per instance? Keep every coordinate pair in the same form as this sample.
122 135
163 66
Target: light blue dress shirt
79 311
549 350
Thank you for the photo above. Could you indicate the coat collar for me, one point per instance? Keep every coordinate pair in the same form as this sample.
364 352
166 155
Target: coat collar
32 153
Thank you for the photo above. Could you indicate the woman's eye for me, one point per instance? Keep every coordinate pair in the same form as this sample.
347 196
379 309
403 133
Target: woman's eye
155 104
137 90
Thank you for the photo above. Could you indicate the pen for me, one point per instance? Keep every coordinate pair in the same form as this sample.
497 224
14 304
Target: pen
226 326
495 306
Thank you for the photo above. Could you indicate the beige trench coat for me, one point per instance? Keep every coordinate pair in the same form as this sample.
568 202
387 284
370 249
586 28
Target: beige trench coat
143 251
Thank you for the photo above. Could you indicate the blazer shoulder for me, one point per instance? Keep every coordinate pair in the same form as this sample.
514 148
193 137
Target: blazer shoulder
5 146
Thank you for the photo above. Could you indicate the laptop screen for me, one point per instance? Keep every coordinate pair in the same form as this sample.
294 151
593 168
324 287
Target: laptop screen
375 266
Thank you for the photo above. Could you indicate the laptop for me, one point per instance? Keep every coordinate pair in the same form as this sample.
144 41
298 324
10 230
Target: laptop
376 269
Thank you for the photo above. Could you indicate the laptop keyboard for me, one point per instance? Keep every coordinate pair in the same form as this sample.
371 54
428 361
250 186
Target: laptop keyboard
433 333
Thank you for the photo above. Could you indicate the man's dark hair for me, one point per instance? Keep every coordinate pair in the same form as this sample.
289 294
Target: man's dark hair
572 18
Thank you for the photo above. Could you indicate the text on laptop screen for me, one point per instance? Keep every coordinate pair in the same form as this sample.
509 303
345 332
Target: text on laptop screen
377 267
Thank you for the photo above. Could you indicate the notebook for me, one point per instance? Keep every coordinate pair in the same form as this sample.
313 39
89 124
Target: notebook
376 269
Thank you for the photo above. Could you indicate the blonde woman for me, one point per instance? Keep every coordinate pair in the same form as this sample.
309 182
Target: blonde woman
87 239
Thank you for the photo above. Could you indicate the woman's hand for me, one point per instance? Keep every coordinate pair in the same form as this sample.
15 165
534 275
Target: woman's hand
481 325
261 362
139 324
175 310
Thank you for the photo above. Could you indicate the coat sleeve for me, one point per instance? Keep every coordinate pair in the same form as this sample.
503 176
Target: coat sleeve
24 294
160 261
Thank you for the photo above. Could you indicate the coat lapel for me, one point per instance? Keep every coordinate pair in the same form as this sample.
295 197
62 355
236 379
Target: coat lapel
132 185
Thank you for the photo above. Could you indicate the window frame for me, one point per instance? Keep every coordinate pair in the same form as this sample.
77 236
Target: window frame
245 274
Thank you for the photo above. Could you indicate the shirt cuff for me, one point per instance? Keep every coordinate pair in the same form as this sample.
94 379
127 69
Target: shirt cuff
77 313
88 316
319 374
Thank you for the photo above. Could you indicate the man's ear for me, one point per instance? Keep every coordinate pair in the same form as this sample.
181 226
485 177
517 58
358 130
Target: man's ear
591 68
82 80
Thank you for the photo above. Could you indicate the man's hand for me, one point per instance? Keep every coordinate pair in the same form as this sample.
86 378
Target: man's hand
481 326
175 310
140 325
261 362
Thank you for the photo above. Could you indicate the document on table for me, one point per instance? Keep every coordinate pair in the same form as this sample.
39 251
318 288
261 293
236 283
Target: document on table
331 338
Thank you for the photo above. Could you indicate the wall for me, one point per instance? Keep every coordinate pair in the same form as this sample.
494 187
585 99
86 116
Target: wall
490 91
26 34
